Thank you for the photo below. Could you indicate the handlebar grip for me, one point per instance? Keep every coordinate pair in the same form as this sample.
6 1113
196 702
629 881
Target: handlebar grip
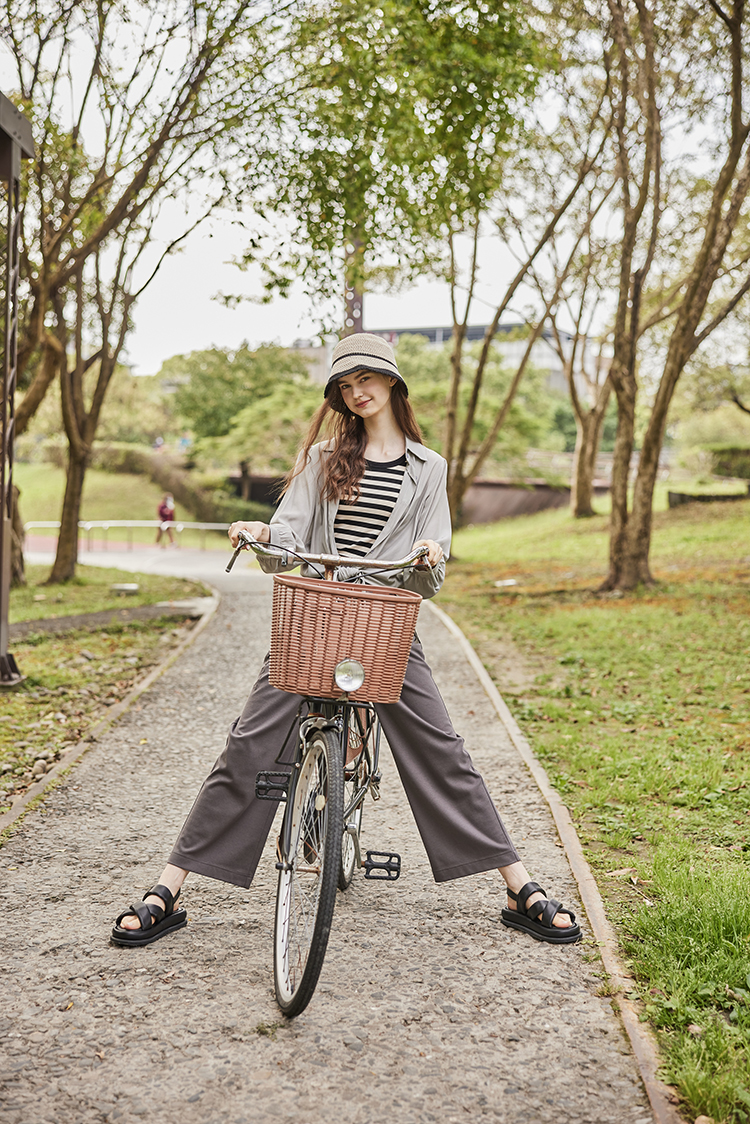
233 559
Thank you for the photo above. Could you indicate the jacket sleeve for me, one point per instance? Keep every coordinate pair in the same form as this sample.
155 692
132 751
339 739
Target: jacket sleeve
291 523
433 521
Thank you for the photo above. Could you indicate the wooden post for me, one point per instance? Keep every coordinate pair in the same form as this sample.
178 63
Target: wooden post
16 144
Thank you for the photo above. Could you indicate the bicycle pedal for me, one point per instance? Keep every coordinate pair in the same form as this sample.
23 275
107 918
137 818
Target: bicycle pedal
272 786
382 866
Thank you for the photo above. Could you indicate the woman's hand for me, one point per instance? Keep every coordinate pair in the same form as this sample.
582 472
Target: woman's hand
434 551
259 531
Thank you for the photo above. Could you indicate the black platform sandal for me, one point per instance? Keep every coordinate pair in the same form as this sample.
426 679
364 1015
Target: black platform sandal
156 921
538 919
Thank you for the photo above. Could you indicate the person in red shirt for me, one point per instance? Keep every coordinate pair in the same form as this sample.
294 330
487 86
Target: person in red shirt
166 514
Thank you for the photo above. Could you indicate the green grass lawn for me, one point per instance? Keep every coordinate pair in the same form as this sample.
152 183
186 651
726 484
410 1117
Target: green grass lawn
106 495
72 678
639 707
91 592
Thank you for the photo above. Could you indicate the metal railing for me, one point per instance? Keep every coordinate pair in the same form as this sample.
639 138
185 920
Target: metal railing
106 525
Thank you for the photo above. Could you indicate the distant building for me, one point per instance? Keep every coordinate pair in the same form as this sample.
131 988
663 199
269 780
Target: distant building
318 357
543 355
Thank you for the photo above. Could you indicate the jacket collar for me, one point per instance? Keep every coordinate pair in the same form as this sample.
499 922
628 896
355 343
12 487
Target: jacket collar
413 448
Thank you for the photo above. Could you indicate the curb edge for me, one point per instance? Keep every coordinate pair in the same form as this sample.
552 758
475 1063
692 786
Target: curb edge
78 751
642 1041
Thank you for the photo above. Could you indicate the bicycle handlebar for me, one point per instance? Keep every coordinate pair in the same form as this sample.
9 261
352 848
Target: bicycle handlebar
331 562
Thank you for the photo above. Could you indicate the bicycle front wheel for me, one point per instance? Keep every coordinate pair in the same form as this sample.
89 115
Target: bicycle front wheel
306 893
357 772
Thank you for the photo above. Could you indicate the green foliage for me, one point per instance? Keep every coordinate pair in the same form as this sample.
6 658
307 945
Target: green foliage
564 422
729 460
400 114
91 592
530 421
268 433
136 411
694 941
640 712
217 384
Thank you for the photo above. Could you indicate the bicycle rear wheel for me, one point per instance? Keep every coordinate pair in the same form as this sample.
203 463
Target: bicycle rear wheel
306 893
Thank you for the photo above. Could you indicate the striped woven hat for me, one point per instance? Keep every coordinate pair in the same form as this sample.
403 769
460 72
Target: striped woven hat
362 352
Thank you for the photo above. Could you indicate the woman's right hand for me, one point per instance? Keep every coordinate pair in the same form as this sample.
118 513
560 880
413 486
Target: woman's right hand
259 531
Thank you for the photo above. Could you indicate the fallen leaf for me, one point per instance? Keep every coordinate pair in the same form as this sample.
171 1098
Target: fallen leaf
695 1030
626 870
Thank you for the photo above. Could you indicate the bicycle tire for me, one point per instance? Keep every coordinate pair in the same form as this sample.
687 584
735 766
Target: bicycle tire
306 892
356 773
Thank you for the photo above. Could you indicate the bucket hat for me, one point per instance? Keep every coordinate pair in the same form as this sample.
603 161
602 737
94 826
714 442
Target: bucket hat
362 351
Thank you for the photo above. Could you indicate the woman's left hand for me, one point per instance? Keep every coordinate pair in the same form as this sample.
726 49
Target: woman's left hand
434 551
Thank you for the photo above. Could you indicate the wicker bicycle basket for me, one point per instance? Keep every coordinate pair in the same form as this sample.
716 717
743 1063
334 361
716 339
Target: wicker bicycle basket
316 624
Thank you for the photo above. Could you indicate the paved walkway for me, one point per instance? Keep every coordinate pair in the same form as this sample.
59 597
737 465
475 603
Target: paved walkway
428 1009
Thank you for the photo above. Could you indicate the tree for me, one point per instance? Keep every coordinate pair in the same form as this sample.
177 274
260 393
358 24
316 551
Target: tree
669 63
543 180
130 105
585 359
268 430
218 384
399 114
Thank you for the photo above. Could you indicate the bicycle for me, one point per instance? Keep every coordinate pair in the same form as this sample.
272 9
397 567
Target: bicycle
328 638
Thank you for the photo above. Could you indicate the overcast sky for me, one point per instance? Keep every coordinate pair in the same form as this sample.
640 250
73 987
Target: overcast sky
178 312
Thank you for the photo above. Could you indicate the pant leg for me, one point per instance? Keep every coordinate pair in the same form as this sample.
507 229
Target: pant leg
224 834
460 827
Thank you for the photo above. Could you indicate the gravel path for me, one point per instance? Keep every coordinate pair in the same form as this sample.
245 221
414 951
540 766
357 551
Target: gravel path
428 1009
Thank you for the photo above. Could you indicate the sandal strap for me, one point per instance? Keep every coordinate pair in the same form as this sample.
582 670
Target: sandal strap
148 914
165 894
525 893
545 912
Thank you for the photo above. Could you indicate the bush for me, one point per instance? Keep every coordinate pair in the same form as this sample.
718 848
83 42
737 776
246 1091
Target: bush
730 460
206 504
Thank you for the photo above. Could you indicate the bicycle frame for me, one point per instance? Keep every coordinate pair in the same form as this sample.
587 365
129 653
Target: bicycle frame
336 719
324 793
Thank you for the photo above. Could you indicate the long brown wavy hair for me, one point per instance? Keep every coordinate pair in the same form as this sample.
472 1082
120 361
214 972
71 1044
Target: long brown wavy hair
344 467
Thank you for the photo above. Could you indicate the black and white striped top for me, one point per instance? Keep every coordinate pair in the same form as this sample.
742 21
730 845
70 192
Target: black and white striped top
358 524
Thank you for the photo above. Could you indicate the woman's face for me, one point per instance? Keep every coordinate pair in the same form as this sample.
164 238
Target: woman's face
366 393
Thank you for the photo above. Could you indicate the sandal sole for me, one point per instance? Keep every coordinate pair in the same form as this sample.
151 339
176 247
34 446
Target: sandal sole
171 924
523 924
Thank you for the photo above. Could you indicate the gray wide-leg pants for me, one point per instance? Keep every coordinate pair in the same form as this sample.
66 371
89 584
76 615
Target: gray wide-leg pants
463 834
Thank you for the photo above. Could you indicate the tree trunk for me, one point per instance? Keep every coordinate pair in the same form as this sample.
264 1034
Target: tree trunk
618 527
354 287
245 480
584 460
589 433
17 571
67 545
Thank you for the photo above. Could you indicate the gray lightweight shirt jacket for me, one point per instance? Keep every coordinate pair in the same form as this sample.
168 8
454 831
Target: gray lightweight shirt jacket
304 521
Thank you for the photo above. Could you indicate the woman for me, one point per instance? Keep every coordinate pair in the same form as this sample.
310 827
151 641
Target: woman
166 515
371 489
